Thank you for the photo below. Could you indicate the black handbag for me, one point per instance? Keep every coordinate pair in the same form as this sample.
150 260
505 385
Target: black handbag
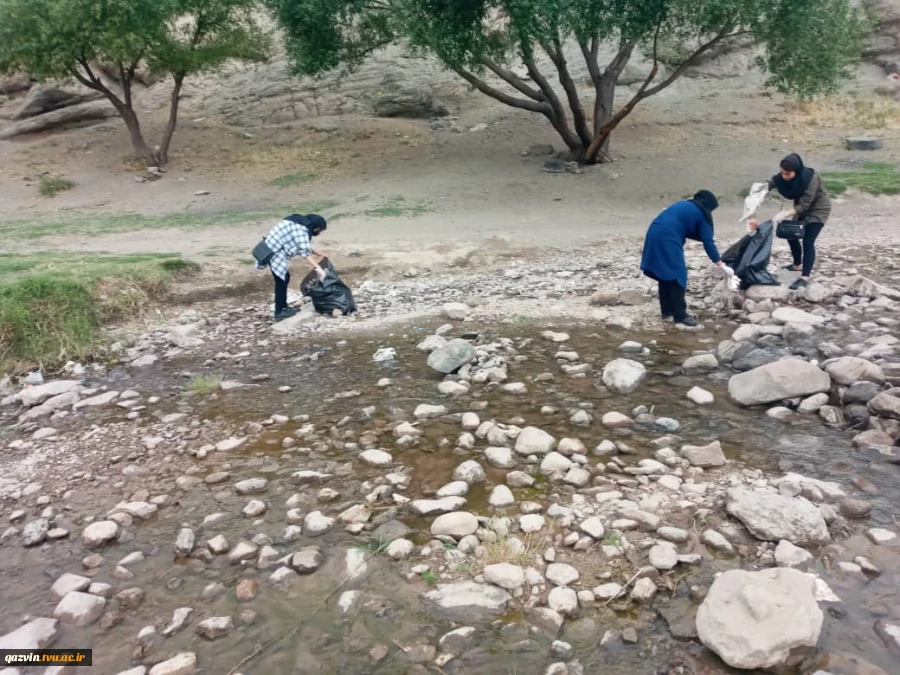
789 229
263 253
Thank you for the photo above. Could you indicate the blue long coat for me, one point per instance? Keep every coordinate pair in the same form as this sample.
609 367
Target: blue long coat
663 258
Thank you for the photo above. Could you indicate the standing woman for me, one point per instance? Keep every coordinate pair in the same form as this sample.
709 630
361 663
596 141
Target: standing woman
812 206
663 258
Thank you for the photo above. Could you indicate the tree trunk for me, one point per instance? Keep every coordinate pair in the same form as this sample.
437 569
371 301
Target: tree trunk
605 93
141 149
173 120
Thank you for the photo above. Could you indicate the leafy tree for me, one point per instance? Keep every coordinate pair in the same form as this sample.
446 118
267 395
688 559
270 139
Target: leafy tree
61 39
809 46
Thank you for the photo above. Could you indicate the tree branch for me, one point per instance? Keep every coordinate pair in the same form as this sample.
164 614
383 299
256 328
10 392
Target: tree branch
558 115
620 60
646 90
568 85
90 80
488 90
512 80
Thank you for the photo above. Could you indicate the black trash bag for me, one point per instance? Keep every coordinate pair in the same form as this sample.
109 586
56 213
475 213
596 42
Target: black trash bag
330 294
749 258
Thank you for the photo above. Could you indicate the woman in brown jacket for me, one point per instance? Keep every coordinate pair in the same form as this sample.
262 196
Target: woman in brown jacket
812 206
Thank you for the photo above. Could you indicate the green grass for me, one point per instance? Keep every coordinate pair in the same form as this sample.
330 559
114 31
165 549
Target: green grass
204 384
79 223
53 305
874 178
292 179
49 185
429 577
396 207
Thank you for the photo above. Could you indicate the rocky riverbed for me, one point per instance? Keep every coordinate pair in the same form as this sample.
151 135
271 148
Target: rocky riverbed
578 488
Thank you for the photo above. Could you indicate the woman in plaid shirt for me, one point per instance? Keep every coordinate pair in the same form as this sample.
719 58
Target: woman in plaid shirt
290 238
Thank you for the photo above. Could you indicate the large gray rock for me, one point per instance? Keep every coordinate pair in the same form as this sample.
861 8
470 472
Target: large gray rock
886 404
93 110
534 441
704 456
42 99
468 601
36 634
451 357
80 609
761 620
36 395
623 375
777 381
850 369
771 516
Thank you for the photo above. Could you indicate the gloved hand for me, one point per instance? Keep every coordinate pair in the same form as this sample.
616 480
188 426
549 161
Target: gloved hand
728 271
780 217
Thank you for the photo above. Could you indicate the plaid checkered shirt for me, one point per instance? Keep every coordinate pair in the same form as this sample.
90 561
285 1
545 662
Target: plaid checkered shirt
287 239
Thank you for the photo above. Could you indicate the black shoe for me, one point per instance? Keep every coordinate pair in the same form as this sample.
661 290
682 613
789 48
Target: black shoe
790 268
285 313
688 321
800 283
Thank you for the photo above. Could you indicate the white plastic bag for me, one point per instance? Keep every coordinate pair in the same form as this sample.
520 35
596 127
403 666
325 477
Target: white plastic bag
754 200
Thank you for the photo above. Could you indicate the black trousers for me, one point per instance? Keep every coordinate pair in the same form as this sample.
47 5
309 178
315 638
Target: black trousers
804 253
281 289
671 300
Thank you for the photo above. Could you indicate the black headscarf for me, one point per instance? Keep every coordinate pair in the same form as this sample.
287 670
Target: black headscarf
794 188
312 222
706 201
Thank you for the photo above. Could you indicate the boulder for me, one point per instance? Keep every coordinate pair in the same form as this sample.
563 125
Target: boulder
42 99
788 378
456 524
36 634
83 112
886 404
863 143
623 375
451 357
771 516
761 620
704 456
850 369
534 441
786 315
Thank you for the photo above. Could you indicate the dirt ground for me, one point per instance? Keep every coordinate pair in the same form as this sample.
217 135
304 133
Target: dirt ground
401 193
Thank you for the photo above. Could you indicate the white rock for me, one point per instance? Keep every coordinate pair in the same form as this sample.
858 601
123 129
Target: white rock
425 411
230 444
593 527
705 456
772 517
431 343
700 363
502 458
561 574
184 663
623 376
425 507
850 369
607 591
760 620
570 446
457 488
643 590
455 311
317 523
554 462
470 421
880 536
251 486
215 627
533 522
67 583
80 609
505 575
470 472
97 534
468 601
563 600
501 496
400 549
778 381
788 555
663 557
785 315
701 396
36 634
457 524
534 441
375 457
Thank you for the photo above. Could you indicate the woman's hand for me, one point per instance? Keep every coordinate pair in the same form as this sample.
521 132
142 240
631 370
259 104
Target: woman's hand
753 224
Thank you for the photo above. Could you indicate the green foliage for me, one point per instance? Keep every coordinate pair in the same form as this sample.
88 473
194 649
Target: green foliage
292 179
875 178
52 305
810 44
62 39
50 186
204 384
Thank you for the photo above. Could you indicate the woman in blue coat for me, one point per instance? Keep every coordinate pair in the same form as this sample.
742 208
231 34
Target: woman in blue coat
663 258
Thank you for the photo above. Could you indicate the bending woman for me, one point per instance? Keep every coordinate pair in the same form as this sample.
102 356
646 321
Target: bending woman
812 206
663 257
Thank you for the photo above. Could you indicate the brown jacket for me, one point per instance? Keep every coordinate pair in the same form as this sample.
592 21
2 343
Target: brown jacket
814 205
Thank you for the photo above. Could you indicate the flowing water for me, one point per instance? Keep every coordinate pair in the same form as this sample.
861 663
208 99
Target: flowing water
298 628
